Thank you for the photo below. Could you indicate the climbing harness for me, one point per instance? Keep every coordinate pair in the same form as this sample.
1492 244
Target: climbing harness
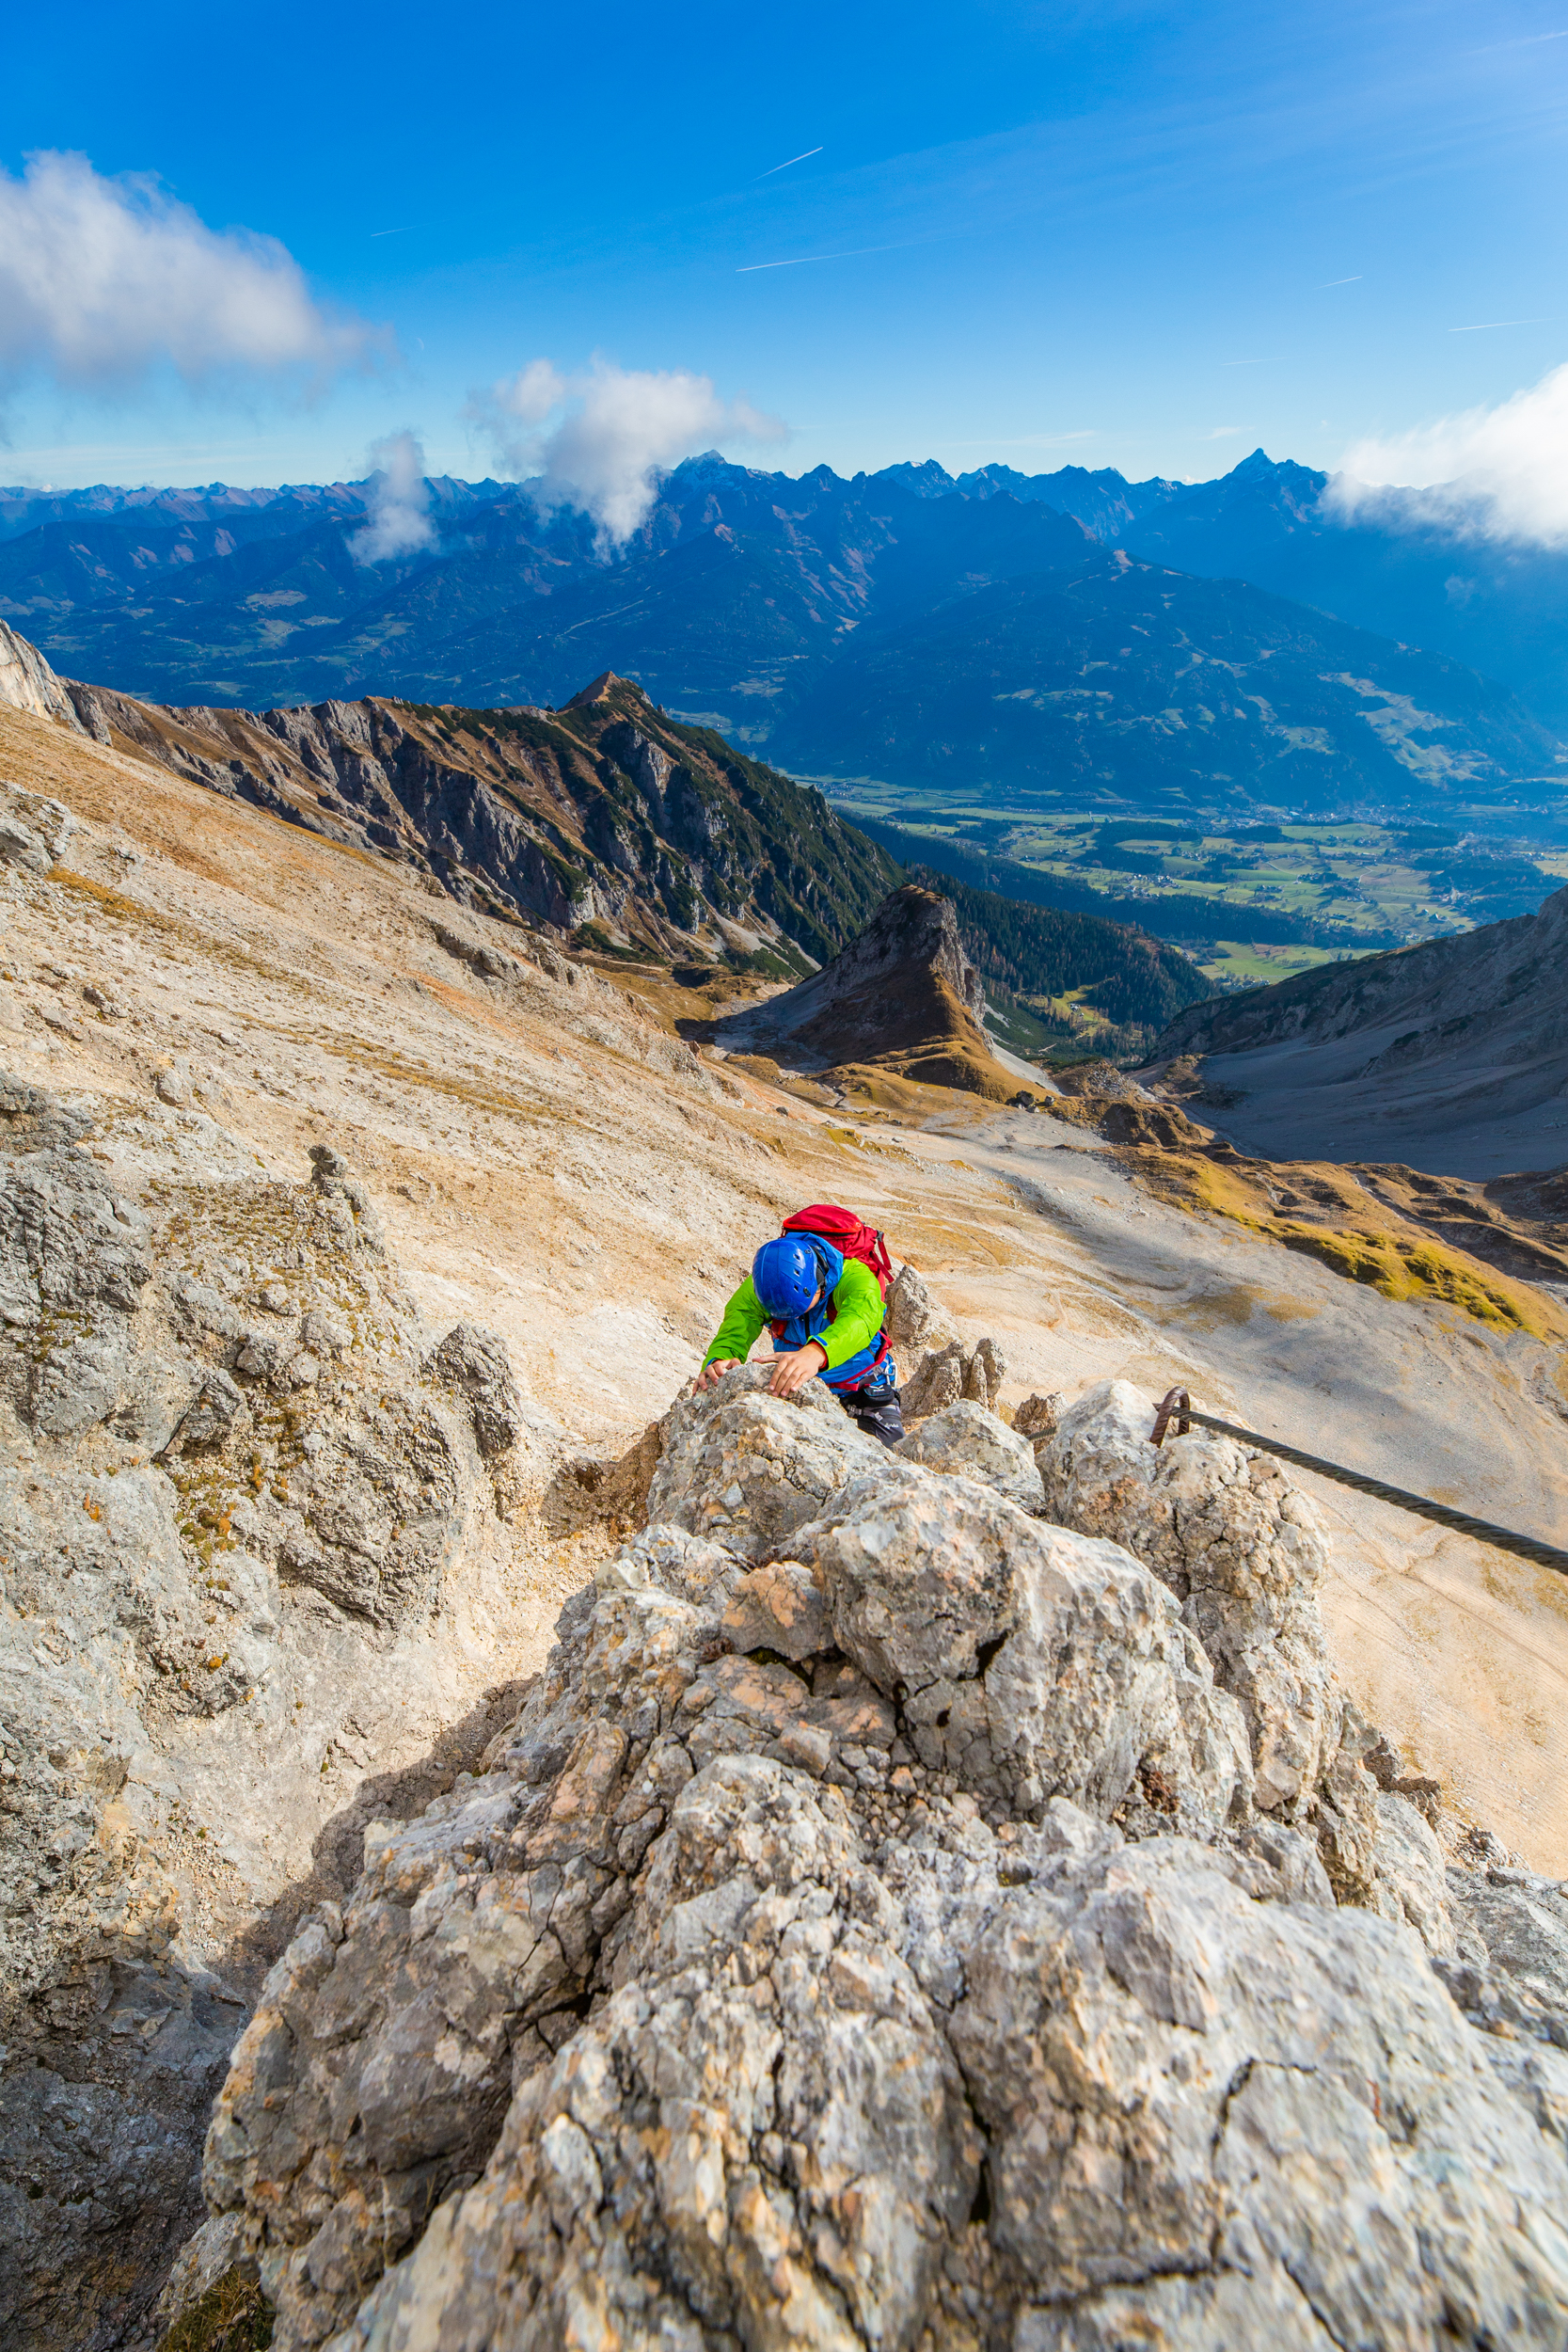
1178 1406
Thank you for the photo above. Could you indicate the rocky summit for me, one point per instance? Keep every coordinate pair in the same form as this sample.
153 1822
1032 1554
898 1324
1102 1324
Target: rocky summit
902 999
909 1911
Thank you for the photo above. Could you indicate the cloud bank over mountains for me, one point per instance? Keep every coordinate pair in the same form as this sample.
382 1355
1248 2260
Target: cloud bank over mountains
615 431
400 520
102 279
1497 473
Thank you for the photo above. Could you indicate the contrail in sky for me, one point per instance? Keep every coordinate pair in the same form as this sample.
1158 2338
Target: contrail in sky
785 165
1528 40
1485 325
1339 281
802 261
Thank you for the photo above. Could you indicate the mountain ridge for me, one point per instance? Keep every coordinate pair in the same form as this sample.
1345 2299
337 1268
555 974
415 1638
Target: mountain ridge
226 596
604 811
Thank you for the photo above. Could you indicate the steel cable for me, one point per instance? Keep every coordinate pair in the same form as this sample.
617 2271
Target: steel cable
1178 1406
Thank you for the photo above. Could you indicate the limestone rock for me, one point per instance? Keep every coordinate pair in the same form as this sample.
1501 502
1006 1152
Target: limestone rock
216 1409
1515 1924
969 1438
214 2250
916 1324
1316 2151
1038 1418
28 683
1241 1548
747 1467
477 1363
73 1263
937 1381
19 846
1027 1662
387 2040
780 1607
49 820
952 1372
864 1938
1410 1879
474 1366
189 1539
1244 1551
983 1372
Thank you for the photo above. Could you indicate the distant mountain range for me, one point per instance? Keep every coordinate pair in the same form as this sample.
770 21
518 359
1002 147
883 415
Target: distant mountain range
1069 631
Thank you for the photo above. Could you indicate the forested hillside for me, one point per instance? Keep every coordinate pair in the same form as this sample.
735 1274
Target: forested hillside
1030 951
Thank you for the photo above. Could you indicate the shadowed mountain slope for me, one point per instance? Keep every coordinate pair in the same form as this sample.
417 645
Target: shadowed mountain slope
1036 951
644 836
733 580
1452 1056
166 592
1401 562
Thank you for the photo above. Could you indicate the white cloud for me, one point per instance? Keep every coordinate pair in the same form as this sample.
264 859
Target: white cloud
618 429
1494 473
101 279
400 520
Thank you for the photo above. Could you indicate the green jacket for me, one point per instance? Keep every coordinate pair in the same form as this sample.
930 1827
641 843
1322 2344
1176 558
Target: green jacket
859 1310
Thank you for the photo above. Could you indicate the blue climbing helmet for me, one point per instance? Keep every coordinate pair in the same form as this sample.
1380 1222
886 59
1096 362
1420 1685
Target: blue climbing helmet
787 1274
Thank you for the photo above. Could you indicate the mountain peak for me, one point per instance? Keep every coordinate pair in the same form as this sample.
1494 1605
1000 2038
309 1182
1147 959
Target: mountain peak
601 688
901 1001
926 479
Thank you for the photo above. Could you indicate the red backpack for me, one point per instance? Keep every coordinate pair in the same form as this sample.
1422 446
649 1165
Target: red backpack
843 1229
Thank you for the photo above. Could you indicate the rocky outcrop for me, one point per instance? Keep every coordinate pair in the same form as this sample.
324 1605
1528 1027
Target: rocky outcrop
936 1369
968 1437
233 1485
28 683
33 830
1244 1551
941 1972
903 997
954 1372
917 1324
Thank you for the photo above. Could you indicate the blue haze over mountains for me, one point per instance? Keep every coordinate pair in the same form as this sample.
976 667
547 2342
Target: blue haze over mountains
1229 642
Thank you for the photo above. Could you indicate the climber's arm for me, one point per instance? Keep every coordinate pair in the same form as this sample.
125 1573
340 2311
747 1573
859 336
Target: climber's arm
738 1334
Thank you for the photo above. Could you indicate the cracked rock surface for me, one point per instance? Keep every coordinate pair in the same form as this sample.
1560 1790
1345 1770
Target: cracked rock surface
947 1974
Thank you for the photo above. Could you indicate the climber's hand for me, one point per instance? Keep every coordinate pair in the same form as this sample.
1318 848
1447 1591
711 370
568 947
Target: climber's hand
792 1372
712 1374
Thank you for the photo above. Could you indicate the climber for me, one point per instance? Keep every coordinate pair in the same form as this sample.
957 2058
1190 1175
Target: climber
824 1300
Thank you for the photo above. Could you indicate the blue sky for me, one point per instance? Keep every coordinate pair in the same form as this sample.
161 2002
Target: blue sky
1149 236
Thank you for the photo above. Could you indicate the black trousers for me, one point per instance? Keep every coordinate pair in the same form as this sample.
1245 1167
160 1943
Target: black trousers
880 1416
